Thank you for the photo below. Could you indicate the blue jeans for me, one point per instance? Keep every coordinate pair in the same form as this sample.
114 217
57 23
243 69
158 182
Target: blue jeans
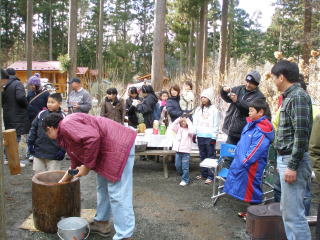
292 198
182 165
206 150
116 198
277 193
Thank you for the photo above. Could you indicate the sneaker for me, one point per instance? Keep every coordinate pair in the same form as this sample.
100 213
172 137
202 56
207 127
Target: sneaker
30 158
183 183
101 228
5 162
25 162
22 165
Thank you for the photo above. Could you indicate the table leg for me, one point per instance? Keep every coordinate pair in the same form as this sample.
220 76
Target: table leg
165 166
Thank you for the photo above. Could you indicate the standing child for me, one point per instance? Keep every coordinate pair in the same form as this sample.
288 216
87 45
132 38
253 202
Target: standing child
187 98
182 145
112 107
244 178
133 116
206 124
161 104
47 154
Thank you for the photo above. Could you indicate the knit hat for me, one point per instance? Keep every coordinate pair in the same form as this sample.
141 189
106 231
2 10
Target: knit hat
208 93
35 80
254 76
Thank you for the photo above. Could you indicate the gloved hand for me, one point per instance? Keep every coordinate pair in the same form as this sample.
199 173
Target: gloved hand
60 155
213 142
194 138
31 149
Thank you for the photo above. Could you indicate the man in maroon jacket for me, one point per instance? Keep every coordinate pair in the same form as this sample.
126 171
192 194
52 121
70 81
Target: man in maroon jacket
107 147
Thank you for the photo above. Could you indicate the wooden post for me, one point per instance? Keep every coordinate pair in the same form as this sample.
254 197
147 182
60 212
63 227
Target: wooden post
11 145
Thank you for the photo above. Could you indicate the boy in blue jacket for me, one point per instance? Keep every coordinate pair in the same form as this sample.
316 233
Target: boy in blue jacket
47 154
244 178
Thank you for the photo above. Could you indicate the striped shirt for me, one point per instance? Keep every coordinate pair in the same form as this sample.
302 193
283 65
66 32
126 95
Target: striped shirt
292 137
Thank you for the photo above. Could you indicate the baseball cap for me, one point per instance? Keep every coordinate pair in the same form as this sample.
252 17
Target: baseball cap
77 80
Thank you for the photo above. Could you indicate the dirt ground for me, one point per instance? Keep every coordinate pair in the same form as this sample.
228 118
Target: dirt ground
163 209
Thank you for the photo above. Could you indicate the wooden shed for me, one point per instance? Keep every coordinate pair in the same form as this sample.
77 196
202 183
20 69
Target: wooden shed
52 71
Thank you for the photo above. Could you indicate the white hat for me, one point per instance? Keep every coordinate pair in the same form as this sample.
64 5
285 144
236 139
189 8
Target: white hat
208 93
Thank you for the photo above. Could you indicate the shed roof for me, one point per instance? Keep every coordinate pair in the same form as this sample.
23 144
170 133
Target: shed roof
37 65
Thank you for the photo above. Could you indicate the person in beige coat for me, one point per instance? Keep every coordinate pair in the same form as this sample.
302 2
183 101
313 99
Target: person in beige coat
112 107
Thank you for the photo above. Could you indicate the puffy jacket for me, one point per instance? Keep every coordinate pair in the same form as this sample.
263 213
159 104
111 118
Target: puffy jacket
44 146
246 171
237 112
173 108
38 104
98 143
146 108
132 112
14 104
183 139
114 111
206 122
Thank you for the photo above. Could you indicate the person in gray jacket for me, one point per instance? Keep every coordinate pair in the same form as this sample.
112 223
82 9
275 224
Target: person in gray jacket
79 100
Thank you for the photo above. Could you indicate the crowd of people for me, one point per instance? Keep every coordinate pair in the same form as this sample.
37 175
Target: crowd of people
105 145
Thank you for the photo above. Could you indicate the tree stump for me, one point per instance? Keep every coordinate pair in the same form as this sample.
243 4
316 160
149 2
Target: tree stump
12 151
52 200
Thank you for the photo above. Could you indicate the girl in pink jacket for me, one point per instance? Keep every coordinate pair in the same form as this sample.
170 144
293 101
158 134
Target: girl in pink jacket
182 145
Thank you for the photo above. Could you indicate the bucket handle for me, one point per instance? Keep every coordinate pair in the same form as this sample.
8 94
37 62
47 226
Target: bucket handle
84 238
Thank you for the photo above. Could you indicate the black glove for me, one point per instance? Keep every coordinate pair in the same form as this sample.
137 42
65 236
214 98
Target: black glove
31 149
194 138
60 155
213 142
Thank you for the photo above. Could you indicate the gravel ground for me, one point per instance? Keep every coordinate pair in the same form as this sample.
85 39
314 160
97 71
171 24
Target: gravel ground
163 209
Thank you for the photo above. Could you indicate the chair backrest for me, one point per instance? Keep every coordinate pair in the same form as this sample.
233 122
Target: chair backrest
227 150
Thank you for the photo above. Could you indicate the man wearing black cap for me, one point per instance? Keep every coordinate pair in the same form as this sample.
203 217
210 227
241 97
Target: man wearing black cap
79 100
239 97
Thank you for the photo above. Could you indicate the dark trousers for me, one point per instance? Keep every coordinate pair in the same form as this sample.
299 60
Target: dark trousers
234 141
206 150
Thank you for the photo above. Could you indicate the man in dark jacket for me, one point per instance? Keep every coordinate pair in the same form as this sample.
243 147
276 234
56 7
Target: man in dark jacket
12 74
240 97
14 104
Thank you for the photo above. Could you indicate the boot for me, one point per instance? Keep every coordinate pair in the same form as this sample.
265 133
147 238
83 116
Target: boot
101 228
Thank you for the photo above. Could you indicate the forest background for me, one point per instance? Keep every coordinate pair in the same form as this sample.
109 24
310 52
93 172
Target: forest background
196 46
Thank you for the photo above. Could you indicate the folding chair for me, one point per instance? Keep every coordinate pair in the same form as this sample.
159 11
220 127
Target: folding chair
220 173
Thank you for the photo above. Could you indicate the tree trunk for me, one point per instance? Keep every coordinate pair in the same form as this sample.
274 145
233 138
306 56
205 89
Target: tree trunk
307 30
223 41
230 35
205 47
200 44
50 30
280 39
72 39
214 46
158 45
29 37
99 50
191 46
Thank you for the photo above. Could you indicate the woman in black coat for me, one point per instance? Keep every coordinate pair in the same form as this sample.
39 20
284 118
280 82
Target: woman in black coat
146 107
173 106
130 109
14 104
37 97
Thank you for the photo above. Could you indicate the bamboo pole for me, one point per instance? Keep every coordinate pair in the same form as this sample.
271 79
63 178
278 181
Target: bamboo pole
12 151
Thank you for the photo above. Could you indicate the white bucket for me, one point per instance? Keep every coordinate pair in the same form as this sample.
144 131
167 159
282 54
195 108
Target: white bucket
73 228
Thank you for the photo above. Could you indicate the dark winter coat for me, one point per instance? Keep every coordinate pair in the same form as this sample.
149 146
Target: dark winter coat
173 108
146 108
14 104
114 111
38 104
235 119
131 110
44 147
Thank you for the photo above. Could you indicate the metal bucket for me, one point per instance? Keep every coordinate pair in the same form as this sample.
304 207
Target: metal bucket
73 228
